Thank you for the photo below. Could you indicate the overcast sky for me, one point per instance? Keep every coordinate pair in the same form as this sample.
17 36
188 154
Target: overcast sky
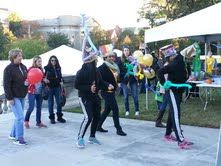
107 12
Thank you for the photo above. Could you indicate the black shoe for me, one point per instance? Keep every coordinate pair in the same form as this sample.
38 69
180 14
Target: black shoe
61 120
121 133
160 125
53 121
102 130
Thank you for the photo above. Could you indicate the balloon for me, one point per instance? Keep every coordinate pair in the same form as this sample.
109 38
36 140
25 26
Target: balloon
137 54
34 75
169 84
147 60
149 73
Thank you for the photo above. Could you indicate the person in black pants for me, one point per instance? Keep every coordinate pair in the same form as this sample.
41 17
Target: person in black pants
88 81
109 72
177 73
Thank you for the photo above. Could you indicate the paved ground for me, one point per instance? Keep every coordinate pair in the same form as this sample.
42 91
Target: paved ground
55 145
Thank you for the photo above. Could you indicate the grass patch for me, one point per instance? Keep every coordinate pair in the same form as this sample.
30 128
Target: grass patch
192 112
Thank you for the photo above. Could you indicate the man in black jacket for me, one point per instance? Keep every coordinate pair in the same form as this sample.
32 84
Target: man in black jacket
177 73
88 81
109 72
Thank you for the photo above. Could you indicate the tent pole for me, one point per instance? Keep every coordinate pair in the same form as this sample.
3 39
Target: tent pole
146 94
206 44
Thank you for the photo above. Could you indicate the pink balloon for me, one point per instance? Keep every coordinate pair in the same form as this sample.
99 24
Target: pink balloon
34 75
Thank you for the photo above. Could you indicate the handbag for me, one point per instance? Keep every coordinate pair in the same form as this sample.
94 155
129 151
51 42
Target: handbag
45 92
63 97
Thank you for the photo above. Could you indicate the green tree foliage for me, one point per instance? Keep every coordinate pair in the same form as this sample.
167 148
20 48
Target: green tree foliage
57 39
134 44
15 24
99 36
30 47
156 10
3 41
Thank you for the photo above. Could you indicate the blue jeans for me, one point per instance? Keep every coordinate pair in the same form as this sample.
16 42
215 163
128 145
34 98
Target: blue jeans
18 110
165 102
31 101
54 92
134 92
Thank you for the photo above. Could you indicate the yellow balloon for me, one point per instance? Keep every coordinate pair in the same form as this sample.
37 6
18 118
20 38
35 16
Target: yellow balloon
137 54
147 60
149 73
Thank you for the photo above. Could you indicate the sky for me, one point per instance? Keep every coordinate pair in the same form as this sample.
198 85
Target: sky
108 13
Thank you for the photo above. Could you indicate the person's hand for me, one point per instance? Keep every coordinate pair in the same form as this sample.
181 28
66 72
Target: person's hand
93 88
26 83
11 102
45 80
110 87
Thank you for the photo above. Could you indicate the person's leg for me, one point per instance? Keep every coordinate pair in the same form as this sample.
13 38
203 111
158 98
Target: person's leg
162 110
134 92
105 113
18 128
31 104
51 105
86 107
39 101
174 103
126 95
59 107
96 109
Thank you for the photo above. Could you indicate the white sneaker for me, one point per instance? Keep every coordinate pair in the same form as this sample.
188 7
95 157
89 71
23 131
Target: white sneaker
11 137
137 113
127 113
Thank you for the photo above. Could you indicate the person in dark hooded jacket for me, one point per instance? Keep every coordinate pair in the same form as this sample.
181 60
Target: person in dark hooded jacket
88 82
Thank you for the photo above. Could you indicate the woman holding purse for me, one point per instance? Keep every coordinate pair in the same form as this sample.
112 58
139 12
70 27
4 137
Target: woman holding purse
53 74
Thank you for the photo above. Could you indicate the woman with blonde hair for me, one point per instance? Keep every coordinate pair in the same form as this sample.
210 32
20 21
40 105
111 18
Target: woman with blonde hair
34 95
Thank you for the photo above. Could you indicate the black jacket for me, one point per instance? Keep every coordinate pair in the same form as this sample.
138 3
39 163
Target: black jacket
85 78
176 71
107 75
14 81
53 75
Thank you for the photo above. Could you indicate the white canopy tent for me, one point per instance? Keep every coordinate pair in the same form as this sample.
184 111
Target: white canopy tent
203 25
69 58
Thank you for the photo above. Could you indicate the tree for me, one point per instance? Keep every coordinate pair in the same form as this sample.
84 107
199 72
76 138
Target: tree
15 24
127 37
3 41
30 47
30 29
57 39
99 36
159 11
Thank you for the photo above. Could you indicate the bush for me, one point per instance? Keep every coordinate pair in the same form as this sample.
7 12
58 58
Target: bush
57 39
30 47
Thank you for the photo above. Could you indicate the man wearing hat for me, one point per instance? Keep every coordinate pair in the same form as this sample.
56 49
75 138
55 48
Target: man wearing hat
177 73
109 72
88 81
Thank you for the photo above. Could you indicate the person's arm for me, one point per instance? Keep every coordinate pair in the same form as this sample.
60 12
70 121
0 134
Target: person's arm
164 70
7 81
78 83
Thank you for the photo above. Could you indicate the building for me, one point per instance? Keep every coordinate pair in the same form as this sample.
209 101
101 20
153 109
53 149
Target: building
4 13
66 24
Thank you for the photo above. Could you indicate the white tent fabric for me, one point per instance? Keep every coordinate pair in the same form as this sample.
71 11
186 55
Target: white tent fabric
69 58
203 25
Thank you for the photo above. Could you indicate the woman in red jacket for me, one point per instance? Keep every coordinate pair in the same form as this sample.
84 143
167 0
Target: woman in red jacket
34 95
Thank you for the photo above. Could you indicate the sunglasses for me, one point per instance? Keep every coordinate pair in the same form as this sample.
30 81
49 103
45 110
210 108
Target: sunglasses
53 60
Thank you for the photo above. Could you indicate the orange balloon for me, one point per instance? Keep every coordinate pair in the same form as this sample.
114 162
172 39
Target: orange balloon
34 75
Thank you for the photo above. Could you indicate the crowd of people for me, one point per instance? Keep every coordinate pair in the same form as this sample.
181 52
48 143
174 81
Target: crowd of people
92 83
16 87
